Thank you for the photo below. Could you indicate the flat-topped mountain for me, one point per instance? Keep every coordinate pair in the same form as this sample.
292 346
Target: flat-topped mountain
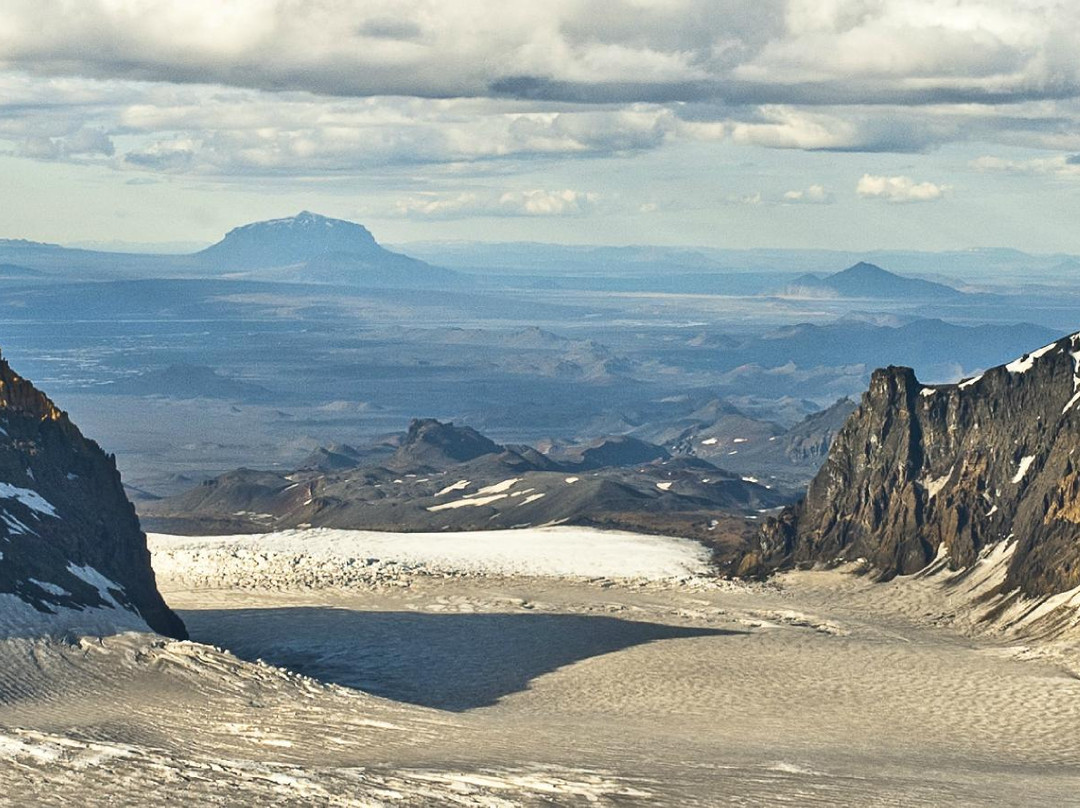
947 471
313 248
865 280
72 555
278 242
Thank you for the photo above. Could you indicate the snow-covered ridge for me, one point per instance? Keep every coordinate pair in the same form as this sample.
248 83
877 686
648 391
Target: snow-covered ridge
1069 344
331 558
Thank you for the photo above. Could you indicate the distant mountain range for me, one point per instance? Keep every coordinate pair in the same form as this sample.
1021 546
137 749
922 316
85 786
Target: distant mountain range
865 280
445 476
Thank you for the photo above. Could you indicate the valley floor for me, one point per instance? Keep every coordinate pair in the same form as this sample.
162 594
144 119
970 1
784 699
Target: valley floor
439 689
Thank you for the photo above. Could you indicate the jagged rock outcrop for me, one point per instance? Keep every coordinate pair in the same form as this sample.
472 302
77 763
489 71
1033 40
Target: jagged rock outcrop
72 554
434 443
920 470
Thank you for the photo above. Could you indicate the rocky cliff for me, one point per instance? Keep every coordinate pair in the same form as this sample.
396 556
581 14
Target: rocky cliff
72 554
923 471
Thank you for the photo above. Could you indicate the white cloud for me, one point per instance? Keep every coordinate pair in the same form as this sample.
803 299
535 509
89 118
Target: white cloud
814 195
326 87
529 202
899 189
1060 165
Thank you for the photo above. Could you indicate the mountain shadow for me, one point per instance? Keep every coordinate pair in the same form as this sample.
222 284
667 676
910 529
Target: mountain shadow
453 662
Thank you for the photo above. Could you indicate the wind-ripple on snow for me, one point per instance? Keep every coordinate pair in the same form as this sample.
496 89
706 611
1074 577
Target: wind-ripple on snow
327 558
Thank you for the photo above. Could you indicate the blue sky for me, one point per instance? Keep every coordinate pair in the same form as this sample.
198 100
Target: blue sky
856 124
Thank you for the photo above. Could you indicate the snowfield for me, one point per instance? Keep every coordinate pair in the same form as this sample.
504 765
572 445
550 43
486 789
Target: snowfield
324 557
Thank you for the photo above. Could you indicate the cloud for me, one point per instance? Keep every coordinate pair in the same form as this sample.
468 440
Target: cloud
899 189
809 52
84 142
531 202
1059 165
814 195
318 88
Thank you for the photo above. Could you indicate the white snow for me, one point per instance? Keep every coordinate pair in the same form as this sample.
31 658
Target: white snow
566 552
98 581
498 488
466 503
751 480
710 442
992 511
973 380
1075 354
52 589
1027 361
19 619
1022 469
14 525
740 440
31 499
532 498
571 480
927 392
665 486
458 486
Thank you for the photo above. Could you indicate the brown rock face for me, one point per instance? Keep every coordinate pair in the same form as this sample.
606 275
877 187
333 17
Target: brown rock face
65 522
962 466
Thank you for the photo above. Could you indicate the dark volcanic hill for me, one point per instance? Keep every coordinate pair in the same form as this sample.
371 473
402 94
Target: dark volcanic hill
72 554
919 471
452 477
865 280
316 249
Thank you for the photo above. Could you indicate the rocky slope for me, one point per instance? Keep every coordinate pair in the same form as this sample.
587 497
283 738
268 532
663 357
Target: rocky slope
923 472
72 554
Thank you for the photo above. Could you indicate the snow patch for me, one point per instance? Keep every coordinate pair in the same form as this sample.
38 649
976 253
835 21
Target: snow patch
1027 361
460 485
99 582
571 480
52 589
498 488
927 392
31 499
665 486
474 502
969 382
1022 469
710 442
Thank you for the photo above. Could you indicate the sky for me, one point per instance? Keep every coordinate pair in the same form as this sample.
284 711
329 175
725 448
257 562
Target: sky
847 124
